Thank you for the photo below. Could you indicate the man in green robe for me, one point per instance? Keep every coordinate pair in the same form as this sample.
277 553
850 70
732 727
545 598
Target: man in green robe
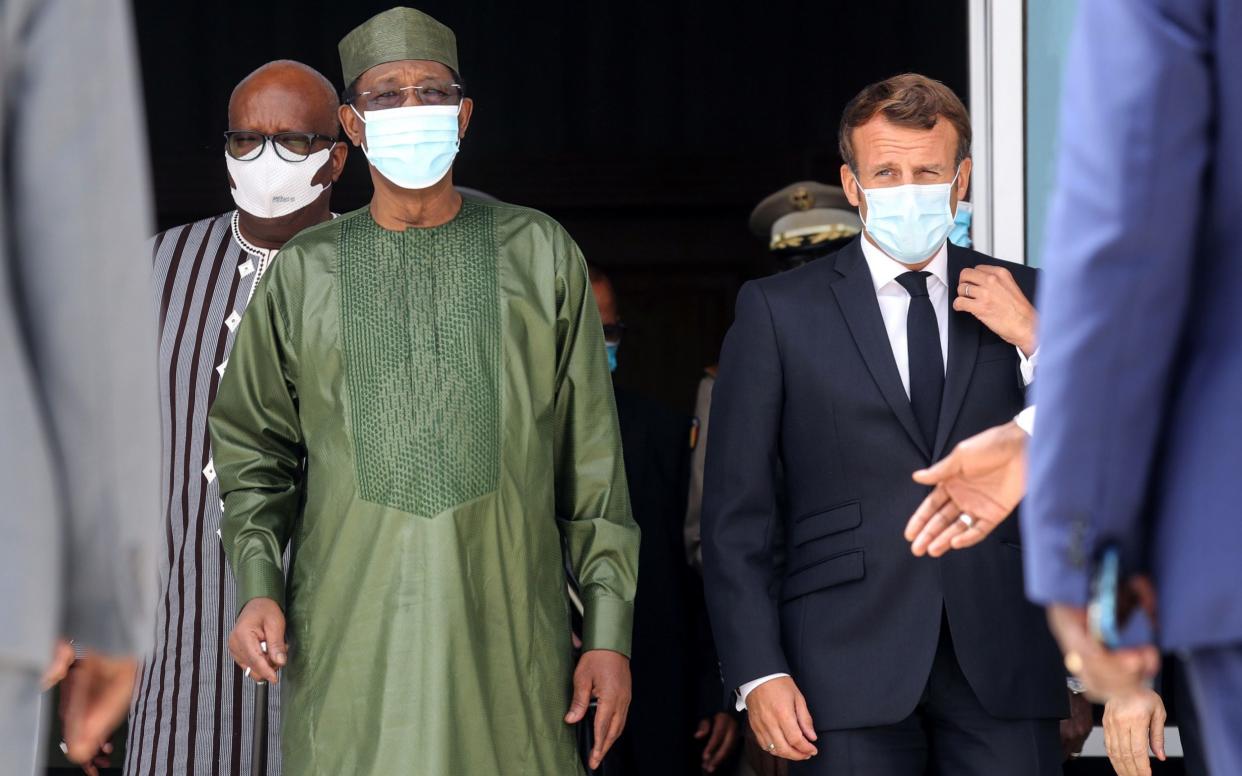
419 402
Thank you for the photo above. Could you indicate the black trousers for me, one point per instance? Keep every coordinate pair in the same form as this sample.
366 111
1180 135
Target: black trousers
949 734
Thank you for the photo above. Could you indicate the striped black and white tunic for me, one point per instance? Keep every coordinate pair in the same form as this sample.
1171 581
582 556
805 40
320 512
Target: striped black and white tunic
192 713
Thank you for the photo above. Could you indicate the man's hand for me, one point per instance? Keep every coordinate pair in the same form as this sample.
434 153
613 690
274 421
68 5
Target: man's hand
781 720
261 622
984 477
1074 731
720 731
62 659
992 295
94 699
1106 673
605 676
1130 722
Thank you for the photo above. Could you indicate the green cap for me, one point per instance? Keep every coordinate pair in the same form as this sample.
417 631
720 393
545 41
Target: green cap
394 35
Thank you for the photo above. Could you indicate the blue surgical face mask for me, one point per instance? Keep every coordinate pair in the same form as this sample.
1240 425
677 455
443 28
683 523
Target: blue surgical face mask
412 146
612 347
960 235
909 222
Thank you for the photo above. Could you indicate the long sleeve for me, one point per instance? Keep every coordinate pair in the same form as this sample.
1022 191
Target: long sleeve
740 496
1136 136
592 497
257 444
78 214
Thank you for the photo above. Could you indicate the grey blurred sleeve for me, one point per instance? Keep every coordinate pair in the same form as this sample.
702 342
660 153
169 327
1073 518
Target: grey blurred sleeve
80 217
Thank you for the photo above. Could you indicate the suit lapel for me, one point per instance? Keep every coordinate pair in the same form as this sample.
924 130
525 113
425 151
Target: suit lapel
855 294
963 350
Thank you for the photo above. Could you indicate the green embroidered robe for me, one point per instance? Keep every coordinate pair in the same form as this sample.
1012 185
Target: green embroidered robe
427 417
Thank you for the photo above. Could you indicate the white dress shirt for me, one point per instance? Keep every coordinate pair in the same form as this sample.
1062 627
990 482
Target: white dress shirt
894 305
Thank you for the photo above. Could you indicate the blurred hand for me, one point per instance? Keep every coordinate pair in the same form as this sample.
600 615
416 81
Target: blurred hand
261 622
62 659
781 720
94 699
605 676
1106 673
721 734
984 477
762 763
1131 722
1074 731
992 295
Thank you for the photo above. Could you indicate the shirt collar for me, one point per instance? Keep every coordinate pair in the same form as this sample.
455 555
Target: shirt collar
885 269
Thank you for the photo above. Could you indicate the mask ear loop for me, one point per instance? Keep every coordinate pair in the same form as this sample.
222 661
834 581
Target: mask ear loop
862 196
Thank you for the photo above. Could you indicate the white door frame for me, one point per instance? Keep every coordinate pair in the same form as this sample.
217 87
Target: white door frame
997 101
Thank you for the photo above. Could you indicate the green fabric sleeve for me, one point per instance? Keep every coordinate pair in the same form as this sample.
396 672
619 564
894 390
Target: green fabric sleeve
257 446
592 496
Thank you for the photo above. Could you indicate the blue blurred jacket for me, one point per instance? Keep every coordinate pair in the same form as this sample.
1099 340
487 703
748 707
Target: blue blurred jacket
1139 439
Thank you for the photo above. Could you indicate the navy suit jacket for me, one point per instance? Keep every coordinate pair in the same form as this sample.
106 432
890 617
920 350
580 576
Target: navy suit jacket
1138 440
812 433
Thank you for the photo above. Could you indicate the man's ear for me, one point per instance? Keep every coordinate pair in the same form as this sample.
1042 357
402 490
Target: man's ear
338 155
850 185
352 124
963 178
463 117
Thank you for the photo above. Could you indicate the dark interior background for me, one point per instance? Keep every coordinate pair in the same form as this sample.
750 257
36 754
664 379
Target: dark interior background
649 129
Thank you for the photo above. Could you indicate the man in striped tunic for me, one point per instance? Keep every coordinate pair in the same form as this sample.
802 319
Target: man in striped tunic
191 714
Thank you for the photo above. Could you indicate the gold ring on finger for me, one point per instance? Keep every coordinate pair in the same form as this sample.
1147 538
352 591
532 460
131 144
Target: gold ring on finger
770 747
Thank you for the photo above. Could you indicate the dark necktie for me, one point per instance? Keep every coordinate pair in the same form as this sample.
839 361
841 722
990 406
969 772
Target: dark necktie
926 360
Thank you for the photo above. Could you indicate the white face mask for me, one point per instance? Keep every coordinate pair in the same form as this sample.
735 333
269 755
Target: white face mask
270 187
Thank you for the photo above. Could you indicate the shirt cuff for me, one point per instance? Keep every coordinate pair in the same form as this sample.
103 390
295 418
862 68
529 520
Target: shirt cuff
1027 365
607 623
257 578
1026 420
745 689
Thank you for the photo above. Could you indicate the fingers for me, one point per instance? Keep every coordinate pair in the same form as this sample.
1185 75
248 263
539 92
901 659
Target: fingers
705 727
943 542
724 735
274 635
973 535
795 739
803 714
257 662
604 713
1157 733
929 507
940 471
937 524
1139 763
581 699
975 307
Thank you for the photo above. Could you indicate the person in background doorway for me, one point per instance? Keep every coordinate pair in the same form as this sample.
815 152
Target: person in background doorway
679 722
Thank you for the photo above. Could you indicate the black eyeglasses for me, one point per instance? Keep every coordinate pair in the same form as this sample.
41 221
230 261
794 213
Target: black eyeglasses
613 331
245 145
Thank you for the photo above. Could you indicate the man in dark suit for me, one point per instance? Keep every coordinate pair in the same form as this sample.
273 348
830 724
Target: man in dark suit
677 723
837 380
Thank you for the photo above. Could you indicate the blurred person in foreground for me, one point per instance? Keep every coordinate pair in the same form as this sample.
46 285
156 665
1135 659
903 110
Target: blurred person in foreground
1141 366
79 452
678 723
439 365
857 658
281 156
